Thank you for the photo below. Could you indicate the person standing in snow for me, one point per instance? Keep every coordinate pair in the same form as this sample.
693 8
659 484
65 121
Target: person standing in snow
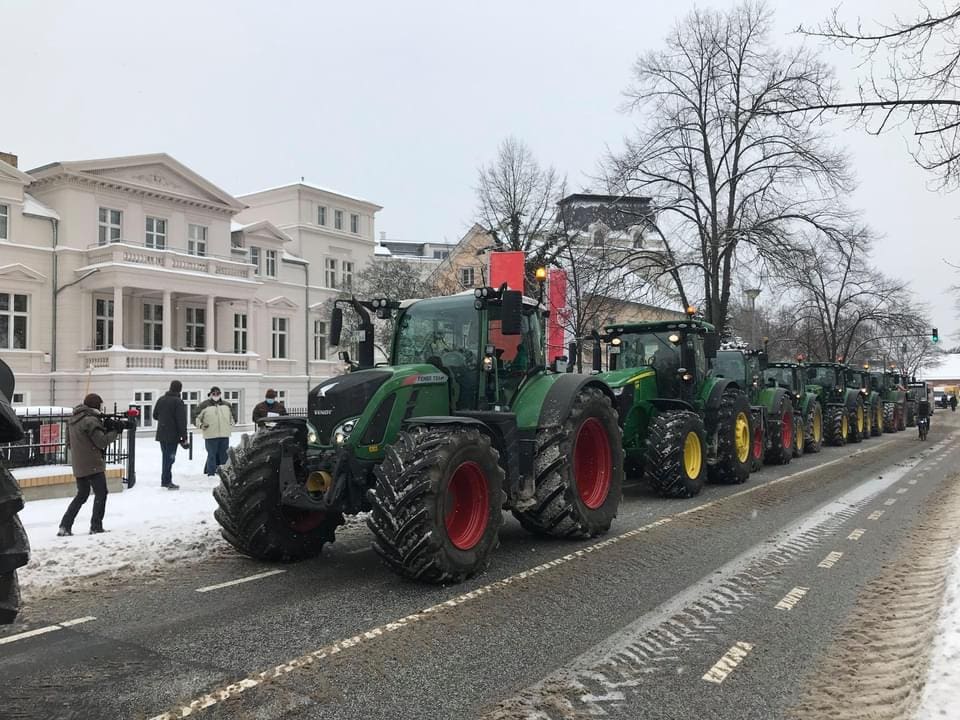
88 439
216 422
170 414
269 406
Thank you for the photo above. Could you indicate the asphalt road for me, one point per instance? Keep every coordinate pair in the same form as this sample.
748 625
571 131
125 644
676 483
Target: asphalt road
735 604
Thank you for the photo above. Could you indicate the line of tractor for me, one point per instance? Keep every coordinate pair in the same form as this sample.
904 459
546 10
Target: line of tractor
466 419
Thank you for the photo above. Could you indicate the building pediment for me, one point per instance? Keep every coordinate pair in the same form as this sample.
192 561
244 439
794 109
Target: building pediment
9 172
19 271
281 303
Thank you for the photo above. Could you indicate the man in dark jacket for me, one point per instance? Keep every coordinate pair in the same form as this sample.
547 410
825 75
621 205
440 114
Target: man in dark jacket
270 405
88 438
170 414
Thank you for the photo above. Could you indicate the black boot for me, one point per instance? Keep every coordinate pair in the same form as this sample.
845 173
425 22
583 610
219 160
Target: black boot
64 532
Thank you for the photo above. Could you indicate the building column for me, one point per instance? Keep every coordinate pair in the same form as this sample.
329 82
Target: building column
211 328
167 319
118 317
251 335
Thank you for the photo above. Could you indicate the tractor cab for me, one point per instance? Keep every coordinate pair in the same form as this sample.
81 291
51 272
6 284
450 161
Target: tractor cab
828 380
744 366
787 375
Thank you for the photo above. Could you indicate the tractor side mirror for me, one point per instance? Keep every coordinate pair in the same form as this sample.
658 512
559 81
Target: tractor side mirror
336 326
764 361
344 356
711 343
559 364
597 352
511 312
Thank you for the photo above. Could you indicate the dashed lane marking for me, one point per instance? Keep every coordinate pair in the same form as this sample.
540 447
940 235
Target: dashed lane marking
728 663
875 515
830 560
856 534
901 491
239 581
889 501
46 629
791 598
912 482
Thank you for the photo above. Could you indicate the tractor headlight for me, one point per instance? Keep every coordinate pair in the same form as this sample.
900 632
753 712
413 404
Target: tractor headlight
342 432
312 437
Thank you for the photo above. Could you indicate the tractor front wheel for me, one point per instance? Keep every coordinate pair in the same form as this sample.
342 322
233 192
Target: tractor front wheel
911 415
250 514
781 433
889 417
901 416
857 422
436 504
676 454
838 425
799 441
733 439
14 546
814 440
876 426
758 440
579 472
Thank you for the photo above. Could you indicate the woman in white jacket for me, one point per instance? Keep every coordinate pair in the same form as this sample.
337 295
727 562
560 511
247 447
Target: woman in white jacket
216 422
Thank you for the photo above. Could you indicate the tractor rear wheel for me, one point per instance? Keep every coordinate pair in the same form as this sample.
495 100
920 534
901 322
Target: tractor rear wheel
250 515
436 503
758 441
889 417
799 439
857 422
579 471
901 416
911 415
876 426
780 431
837 425
676 460
733 439
814 439
14 546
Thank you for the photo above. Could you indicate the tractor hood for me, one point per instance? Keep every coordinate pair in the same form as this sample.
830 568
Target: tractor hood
341 397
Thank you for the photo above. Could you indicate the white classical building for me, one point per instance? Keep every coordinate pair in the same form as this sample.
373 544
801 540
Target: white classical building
121 274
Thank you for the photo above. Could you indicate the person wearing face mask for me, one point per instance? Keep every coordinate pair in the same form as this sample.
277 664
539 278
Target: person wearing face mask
88 439
270 406
216 422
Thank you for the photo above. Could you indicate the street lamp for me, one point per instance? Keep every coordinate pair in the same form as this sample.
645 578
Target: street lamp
752 294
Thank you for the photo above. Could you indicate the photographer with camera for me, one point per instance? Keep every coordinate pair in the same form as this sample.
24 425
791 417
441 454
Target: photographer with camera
88 436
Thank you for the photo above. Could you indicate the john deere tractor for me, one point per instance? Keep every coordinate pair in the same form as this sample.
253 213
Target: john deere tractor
872 403
894 396
774 424
844 414
681 422
464 421
791 376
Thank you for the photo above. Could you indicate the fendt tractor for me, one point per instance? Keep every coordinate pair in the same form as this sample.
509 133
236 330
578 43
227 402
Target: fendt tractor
843 407
464 421
775 421
792 376
872 402
14 546
887 384
681 423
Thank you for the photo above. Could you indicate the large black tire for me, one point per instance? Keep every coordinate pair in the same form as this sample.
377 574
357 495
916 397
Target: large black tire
731 465
250 515
837 426
876 424
780 433
758 440
575 498
901 416
814 439
14 546
857 422
437 503
799 435
667 467
911 414
889 417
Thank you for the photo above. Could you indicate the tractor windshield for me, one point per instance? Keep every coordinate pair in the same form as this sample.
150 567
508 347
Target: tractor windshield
656 349
779 377
855 380
730 364
441 332
824 377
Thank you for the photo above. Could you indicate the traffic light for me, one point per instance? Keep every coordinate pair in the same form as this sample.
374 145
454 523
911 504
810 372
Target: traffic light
936 335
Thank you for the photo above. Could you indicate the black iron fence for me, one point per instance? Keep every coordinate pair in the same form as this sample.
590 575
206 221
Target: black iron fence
45 440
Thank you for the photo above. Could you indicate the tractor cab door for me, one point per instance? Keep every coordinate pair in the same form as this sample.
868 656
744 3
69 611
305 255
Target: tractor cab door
515 356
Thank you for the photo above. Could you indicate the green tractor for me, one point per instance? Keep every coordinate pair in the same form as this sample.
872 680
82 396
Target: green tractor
872 402
464 421
775 422
792 376
844 413
894 396
680 422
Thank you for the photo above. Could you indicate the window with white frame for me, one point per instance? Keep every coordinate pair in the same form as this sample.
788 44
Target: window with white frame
236 241
233 399
330 275
20 398
191 398
143 402
4 222
152 326
156 236
354 224
282 396
14 317
255 259
440 254
347 278
110 225
271 263
321 215
319 340
103 324
280 337
197 239
338 219
239 332
196 327
466 276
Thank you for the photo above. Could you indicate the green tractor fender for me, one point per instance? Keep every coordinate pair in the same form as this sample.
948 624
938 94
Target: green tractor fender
711 393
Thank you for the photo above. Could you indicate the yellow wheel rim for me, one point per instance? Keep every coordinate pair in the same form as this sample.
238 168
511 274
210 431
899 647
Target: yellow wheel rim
844 427
798 437
741 438
860 419
879 415
692 455
817 426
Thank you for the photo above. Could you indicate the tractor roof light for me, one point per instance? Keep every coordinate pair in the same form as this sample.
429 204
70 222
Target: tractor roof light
541 274
691 310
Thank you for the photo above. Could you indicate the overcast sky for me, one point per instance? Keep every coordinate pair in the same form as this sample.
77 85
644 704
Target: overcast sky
395 102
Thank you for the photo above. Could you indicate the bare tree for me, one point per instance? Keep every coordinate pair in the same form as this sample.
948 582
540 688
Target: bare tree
730 179
909 352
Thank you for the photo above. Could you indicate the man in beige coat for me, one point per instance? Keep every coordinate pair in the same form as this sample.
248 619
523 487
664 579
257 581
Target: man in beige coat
216 422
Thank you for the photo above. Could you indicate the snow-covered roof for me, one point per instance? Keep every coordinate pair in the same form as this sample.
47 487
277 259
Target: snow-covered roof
949 369
290 257
32 206
380 250
33 410
236 226
312 186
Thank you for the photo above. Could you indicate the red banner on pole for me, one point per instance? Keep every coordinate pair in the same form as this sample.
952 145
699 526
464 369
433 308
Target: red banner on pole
557 304
507 267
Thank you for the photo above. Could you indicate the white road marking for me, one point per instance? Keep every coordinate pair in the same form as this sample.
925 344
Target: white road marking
728 663
238 581
856 534
901 491
889 501
791 598
830 560
875 515
45 630
912 482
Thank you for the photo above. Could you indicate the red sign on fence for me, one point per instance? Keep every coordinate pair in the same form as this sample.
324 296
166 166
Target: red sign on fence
49 438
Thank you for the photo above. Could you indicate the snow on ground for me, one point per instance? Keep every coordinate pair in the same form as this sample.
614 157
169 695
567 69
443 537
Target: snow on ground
941 695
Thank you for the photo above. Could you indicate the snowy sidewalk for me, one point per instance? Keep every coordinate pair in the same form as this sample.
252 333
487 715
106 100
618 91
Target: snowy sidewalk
941 694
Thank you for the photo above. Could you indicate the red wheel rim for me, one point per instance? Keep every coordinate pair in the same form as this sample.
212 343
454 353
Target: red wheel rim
592 464
467 506
757 442
307 520
786 430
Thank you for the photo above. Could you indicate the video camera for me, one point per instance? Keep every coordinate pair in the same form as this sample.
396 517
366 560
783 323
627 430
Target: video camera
118 422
